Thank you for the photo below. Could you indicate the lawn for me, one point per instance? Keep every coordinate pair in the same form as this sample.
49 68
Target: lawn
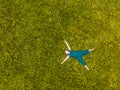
32 34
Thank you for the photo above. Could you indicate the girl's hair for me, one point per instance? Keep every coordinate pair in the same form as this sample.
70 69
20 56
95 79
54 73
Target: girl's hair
66 53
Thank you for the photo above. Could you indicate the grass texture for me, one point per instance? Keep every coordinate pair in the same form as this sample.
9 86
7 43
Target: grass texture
32 34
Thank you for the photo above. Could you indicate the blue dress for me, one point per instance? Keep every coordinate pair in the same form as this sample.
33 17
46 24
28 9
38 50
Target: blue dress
79 55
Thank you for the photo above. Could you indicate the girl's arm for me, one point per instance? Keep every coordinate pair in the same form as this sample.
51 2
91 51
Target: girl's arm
65 59
67 45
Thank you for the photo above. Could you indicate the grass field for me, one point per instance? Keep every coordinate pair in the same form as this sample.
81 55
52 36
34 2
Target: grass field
32 34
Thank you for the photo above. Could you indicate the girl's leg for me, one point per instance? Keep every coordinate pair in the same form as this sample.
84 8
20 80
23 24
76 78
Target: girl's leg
90 50
85 52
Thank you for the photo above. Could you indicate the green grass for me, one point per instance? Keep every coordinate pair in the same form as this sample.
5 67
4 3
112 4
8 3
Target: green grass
32 46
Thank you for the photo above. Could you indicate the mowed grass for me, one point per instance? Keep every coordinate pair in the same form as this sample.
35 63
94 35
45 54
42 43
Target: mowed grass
32 34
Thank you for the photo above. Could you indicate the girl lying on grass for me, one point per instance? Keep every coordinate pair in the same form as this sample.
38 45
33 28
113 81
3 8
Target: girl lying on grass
78 54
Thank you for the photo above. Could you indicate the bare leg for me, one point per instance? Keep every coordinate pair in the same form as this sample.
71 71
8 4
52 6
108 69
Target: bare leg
87 67
90 50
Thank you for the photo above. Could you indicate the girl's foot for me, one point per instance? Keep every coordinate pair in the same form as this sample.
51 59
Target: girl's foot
91 49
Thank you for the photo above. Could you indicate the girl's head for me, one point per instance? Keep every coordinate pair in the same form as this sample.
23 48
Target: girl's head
67 52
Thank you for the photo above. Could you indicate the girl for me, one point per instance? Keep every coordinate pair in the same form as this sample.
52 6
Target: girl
78 54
